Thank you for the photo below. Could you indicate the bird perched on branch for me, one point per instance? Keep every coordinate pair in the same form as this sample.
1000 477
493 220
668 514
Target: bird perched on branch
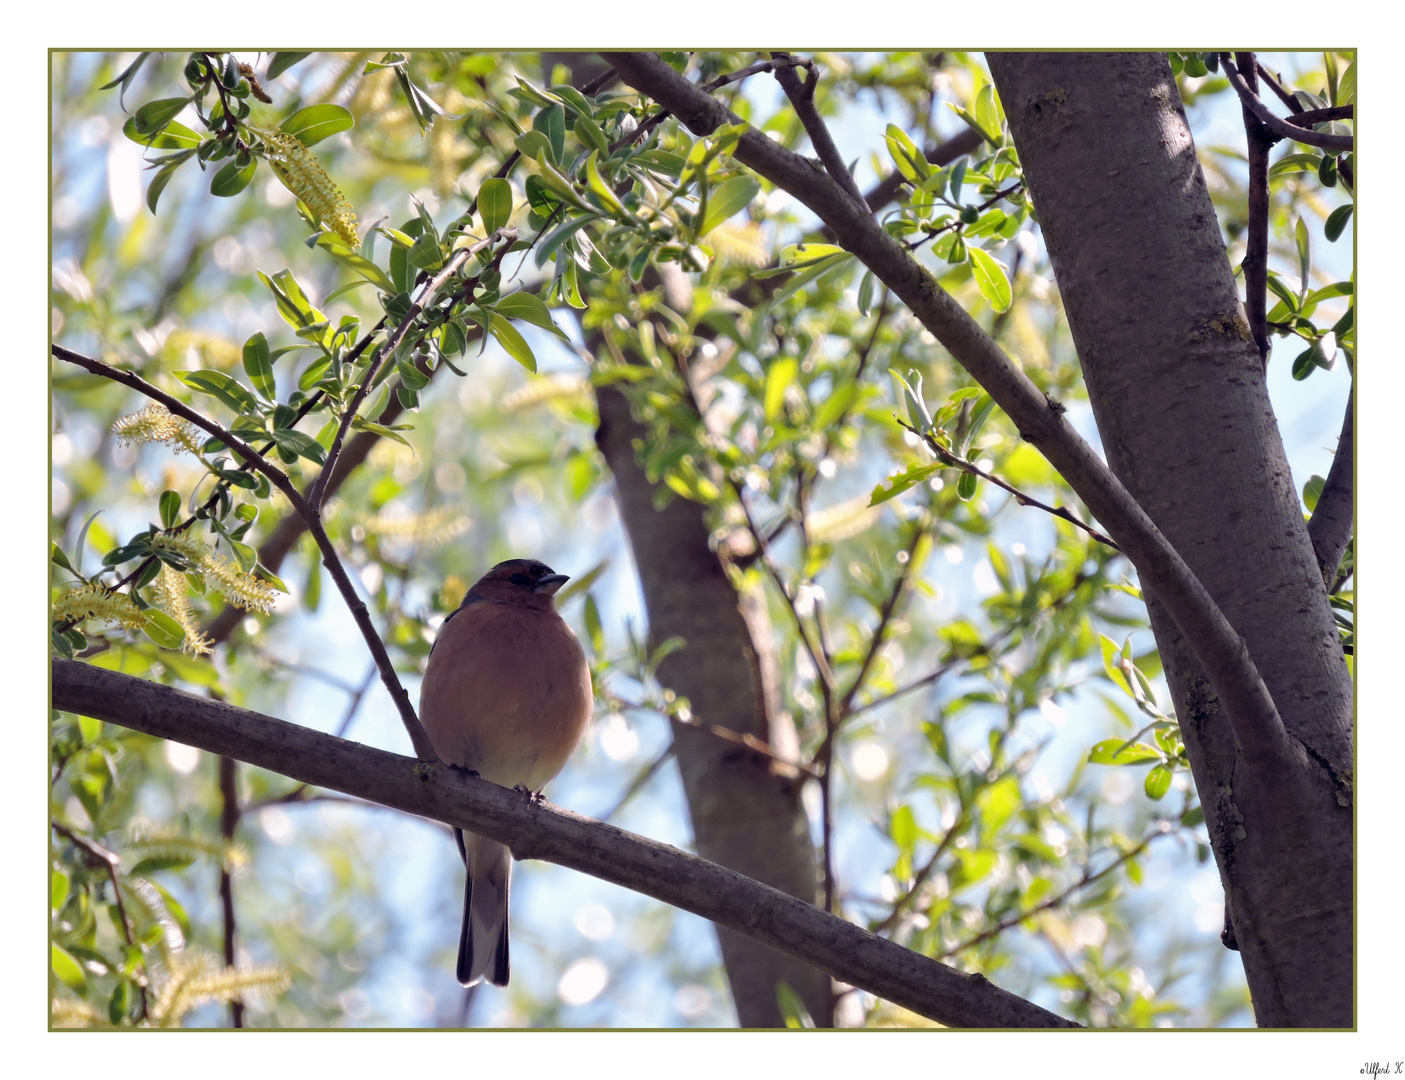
506 695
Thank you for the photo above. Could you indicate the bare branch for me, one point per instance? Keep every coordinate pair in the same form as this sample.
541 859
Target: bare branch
1282 128
540 831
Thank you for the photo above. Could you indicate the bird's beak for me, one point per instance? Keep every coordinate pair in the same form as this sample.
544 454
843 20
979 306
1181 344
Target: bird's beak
551 583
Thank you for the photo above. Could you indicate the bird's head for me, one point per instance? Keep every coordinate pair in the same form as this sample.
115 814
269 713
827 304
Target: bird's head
521 582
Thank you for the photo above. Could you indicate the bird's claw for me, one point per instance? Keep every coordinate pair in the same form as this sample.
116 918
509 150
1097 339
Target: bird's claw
533 797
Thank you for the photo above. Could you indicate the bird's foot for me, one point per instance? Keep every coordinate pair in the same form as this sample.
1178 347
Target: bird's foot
533 797
462 769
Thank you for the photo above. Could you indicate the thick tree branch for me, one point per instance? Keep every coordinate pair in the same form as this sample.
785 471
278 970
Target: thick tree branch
534 831
1253 716
279 479
1282 128
1330 527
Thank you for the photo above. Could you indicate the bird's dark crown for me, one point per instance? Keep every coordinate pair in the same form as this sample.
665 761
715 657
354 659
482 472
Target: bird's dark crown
524 572
518 581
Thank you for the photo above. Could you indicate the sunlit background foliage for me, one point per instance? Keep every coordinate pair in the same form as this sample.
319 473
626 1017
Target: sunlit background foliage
968 821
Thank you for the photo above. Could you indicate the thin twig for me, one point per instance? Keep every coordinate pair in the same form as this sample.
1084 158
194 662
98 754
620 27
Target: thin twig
769 561
637 784
279 479
802 99
110 860
508 233
1294 105
957 462
1282 128
920 878
1084 880
901 584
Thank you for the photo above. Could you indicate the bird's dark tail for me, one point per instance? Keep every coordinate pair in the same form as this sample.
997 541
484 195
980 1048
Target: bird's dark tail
483 940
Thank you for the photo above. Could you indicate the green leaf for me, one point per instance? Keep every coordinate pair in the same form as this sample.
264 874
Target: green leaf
559 185
333 246
966 485
155 115
779 375
163 629
221 386
360 423
911 162
865 298
158 185
998 803
317 122
529 308
903 829
589 132
426 253
511 340
608 199
69 971
1158 782
495 203
1346 86
792 1007
233 178
835 406
896 485
170 508
258 365
1113 669
1118 752
60 559
299 444
991 279
531 143
989 135
1304 246
728 198
1336 222
58 888
174 136
280 62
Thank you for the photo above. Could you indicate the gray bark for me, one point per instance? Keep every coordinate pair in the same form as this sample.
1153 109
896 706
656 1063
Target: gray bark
745 809
1186 424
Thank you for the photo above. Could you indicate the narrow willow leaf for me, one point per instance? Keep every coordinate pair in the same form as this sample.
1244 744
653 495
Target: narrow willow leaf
728 198
317 122
990 278
511 340
233 178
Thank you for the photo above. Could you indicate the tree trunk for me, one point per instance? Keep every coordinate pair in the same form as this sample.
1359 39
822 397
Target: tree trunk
1179 397
746 810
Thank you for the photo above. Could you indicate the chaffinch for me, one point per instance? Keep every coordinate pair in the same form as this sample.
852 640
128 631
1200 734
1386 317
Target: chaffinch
506 695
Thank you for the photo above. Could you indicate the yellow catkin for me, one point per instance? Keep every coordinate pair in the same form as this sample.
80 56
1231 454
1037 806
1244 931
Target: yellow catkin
240 589
294 164
95 602
436 526
169 589
156 424
739 243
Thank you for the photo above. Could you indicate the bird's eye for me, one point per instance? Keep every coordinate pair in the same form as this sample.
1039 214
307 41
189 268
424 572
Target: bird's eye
522 580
